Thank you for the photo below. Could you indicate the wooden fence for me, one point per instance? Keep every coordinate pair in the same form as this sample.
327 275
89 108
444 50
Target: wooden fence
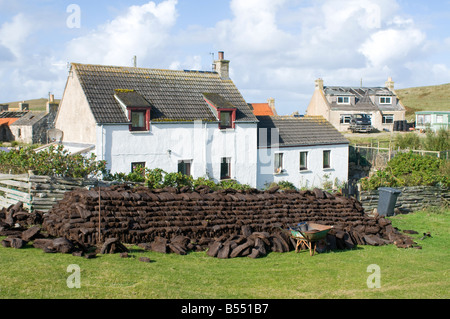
37 192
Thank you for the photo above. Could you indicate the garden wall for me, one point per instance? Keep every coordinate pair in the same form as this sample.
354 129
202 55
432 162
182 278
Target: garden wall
411 199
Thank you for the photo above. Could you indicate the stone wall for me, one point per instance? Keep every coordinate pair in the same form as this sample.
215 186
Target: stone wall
411 199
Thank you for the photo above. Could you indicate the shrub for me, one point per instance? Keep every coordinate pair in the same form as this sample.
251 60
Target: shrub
407 141
53 161
177 180
439 141
229 183
201 181
410 169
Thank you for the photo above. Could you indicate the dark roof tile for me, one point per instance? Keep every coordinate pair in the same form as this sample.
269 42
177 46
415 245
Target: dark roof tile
300 131
174 95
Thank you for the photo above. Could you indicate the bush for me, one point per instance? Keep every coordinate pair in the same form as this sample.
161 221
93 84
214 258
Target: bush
410 169
439 141
53 161
202 181
407 141
229 183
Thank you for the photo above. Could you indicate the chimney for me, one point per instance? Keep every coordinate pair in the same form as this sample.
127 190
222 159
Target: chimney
52 107
24 106
4 107
222 67
389 84
318 84
271 102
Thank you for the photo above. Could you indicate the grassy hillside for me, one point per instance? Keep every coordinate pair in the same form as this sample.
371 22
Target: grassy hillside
35 105
435 98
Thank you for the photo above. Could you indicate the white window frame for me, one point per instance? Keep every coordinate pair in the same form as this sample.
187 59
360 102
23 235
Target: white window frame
329 159
280 169
227 161
420 119
343 100
387 100
305 168
387 116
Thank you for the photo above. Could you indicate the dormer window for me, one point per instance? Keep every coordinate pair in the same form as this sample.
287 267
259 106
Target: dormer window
385 100
343 100
226 119
137 109
222 109
139 118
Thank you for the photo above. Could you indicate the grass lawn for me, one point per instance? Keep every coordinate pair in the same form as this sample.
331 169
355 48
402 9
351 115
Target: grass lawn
29 273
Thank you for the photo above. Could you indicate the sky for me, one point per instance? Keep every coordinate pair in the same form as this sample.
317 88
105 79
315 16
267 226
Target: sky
276 48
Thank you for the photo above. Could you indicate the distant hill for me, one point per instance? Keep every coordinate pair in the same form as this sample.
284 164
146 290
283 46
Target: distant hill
35 105
425 98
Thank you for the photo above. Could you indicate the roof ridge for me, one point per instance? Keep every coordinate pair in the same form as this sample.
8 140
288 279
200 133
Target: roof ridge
76 64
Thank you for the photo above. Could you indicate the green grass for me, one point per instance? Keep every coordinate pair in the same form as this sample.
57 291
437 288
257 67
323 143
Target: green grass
37 105
405 273
425 98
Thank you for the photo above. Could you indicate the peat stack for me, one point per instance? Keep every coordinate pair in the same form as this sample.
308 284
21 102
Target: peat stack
156 218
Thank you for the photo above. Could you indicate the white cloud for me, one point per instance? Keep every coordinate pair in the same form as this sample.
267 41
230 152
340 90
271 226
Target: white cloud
390 46
277 48
142 31
253 28
14 34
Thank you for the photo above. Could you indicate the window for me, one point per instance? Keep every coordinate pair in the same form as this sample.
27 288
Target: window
184 167
345 118
278 167
303 161
439 119
385 100
388 119
343 100
419 119
19 132
225 168
326 159
225 119
139 118
138 167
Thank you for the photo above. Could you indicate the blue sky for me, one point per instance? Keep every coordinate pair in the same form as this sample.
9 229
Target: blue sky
277 48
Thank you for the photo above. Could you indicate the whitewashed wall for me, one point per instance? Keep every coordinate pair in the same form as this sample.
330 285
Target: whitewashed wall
167 143
314 176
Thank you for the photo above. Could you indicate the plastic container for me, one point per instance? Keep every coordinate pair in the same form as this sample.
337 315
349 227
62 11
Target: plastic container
387 200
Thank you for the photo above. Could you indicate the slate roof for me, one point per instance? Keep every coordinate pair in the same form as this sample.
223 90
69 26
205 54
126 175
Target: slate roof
300 131
131 98
174 95
362 97
30 118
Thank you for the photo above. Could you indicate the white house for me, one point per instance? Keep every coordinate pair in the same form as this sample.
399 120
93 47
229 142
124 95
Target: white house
194 122
306 151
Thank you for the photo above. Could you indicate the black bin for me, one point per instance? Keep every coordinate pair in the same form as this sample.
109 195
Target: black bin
386 201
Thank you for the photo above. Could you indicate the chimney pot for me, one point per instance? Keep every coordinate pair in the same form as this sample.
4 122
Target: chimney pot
222 67
319 84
